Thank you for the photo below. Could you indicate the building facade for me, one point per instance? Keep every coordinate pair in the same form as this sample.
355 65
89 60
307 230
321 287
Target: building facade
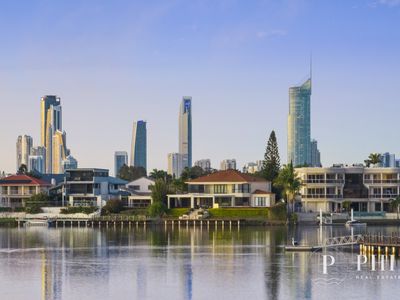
139 145
24 147
185 131
299 124
51 122
90 187
15 190
367 189
205 164
59 151
36 164
140 193
175 164
229 188
69 163
120 159
252 167
228 164
315 155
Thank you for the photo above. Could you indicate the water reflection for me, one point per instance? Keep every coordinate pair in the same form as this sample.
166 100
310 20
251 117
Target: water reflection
171 263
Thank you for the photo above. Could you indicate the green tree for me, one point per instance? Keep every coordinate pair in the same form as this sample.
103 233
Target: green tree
272 162
23 169
35 203
373 159
160 174
395 205
346 205
289 182
130 173
114 206
159 191
192 173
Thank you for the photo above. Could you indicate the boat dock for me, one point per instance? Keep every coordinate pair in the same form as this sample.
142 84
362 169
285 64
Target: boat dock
369 244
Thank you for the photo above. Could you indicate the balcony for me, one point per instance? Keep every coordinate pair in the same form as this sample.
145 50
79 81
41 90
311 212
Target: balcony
322 196
383 196
323 181
382 181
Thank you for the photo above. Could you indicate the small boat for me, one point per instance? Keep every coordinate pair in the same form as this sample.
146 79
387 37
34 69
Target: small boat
352 222
355 223
39 222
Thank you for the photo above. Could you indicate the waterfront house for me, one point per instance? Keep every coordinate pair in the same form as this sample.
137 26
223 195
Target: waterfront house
89 187
367 189
229 188
140 193
16 189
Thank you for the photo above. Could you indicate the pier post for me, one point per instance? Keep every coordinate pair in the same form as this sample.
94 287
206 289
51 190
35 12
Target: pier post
238 224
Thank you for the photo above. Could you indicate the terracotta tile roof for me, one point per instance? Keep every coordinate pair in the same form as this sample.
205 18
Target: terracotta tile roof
23 180
260 192
227 176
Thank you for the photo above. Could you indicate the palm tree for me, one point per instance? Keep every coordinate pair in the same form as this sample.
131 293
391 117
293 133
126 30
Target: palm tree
289 182
373 159
395 205
159 174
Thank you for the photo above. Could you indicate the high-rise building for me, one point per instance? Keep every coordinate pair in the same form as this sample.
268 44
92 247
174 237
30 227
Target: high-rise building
36 163
51 122
59 151
175 164
185 131
205 164
299 124
228 164
315 154
24 147
139 145
69 163
120 159
388 160
253 167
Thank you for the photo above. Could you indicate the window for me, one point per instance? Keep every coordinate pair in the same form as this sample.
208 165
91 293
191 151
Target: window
260 201
220 189
135 187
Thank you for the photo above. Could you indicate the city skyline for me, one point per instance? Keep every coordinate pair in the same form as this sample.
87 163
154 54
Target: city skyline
239 76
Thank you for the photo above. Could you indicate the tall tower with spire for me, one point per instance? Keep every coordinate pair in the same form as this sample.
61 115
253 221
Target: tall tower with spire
299 124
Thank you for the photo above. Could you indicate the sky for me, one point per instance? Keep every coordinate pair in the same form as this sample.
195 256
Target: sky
113 62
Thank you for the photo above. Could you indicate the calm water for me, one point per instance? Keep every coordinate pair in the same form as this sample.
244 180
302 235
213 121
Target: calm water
159 263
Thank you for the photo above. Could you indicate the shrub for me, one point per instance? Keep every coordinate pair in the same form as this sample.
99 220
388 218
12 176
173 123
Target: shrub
78 209
157 209
112 207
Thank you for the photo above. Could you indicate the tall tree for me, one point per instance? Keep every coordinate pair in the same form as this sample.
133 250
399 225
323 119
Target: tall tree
23 169
373 159
289 182
272 163
160 174
159 191
131 173
395 205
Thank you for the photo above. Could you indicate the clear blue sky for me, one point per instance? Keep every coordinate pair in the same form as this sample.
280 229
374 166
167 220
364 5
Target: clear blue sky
112 62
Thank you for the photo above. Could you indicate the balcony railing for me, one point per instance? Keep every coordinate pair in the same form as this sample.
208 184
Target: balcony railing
321 196
383 196
381 181
324 181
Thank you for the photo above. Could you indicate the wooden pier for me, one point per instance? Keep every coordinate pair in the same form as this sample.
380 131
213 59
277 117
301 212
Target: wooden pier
369 244
132 221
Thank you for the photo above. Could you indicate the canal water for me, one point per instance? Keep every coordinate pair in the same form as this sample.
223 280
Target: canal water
186 263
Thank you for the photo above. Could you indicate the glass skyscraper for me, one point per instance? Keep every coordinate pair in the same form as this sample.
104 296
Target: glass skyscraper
139 145
51 122
120 159
299 124
185 132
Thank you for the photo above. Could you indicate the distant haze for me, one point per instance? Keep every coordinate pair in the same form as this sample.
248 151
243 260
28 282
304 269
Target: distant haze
112 62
